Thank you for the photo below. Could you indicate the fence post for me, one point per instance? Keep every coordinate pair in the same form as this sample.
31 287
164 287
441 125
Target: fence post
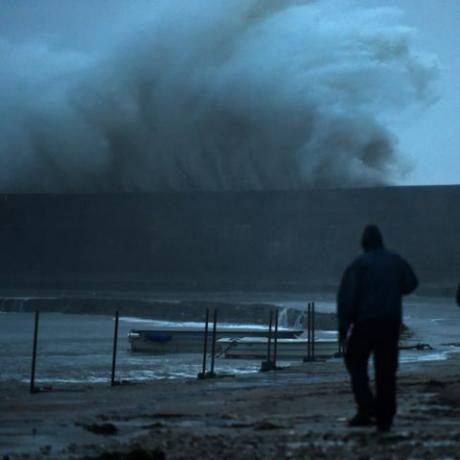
309 331
275 342
213 348
34 353
309 334
114 354
313 327
269 337
267 365
202 374
340 347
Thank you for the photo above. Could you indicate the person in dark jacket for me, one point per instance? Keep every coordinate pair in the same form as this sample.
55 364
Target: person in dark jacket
458 295
369 308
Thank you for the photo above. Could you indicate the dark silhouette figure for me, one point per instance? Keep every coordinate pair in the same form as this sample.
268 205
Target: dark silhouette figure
369 307
458 295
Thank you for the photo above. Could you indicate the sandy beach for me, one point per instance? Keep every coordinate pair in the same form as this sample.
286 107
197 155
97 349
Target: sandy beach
299 412
182 181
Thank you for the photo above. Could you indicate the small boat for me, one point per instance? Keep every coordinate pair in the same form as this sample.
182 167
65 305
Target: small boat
190 339
287 348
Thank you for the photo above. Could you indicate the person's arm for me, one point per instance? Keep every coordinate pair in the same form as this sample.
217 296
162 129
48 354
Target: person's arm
346 298
409 281
458 295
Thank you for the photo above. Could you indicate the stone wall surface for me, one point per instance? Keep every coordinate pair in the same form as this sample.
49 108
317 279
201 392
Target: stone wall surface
218 241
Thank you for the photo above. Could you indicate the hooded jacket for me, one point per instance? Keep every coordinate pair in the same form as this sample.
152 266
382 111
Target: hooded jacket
372 287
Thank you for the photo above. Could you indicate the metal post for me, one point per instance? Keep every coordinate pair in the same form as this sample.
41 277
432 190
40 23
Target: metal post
305 321
313 326
114 355
34 353
309 331
268 365
269 342
214 336
275 343
205 345
341 347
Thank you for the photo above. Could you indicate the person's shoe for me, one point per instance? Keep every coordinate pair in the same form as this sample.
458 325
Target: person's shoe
360 420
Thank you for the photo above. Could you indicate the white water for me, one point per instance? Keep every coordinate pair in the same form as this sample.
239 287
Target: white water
204 95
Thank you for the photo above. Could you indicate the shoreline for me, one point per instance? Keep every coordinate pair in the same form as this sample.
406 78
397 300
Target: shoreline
297 412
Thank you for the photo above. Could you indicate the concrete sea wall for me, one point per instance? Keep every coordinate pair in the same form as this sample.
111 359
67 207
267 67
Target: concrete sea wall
218 241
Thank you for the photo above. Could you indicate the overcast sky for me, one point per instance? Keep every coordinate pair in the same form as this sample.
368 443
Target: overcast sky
429 139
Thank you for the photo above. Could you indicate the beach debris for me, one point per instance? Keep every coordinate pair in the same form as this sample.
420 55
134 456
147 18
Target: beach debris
138 453
154 426
46 450
267 425
258 426
435 383
101 428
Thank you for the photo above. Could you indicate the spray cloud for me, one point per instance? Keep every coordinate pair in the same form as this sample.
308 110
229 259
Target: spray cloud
212 95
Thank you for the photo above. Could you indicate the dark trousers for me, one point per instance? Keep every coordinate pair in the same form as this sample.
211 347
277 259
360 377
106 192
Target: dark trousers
380 339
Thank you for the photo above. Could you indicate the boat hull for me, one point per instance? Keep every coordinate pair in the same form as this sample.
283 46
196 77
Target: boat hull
255 348
191 340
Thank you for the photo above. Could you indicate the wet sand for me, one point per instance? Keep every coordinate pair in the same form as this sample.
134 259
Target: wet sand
299 412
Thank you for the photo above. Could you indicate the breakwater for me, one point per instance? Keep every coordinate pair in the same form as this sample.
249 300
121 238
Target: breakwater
222 241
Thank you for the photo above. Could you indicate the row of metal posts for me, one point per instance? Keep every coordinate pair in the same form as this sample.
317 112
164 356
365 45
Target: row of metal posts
268 364
311 339
310 332
34 389
113 382
203 374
